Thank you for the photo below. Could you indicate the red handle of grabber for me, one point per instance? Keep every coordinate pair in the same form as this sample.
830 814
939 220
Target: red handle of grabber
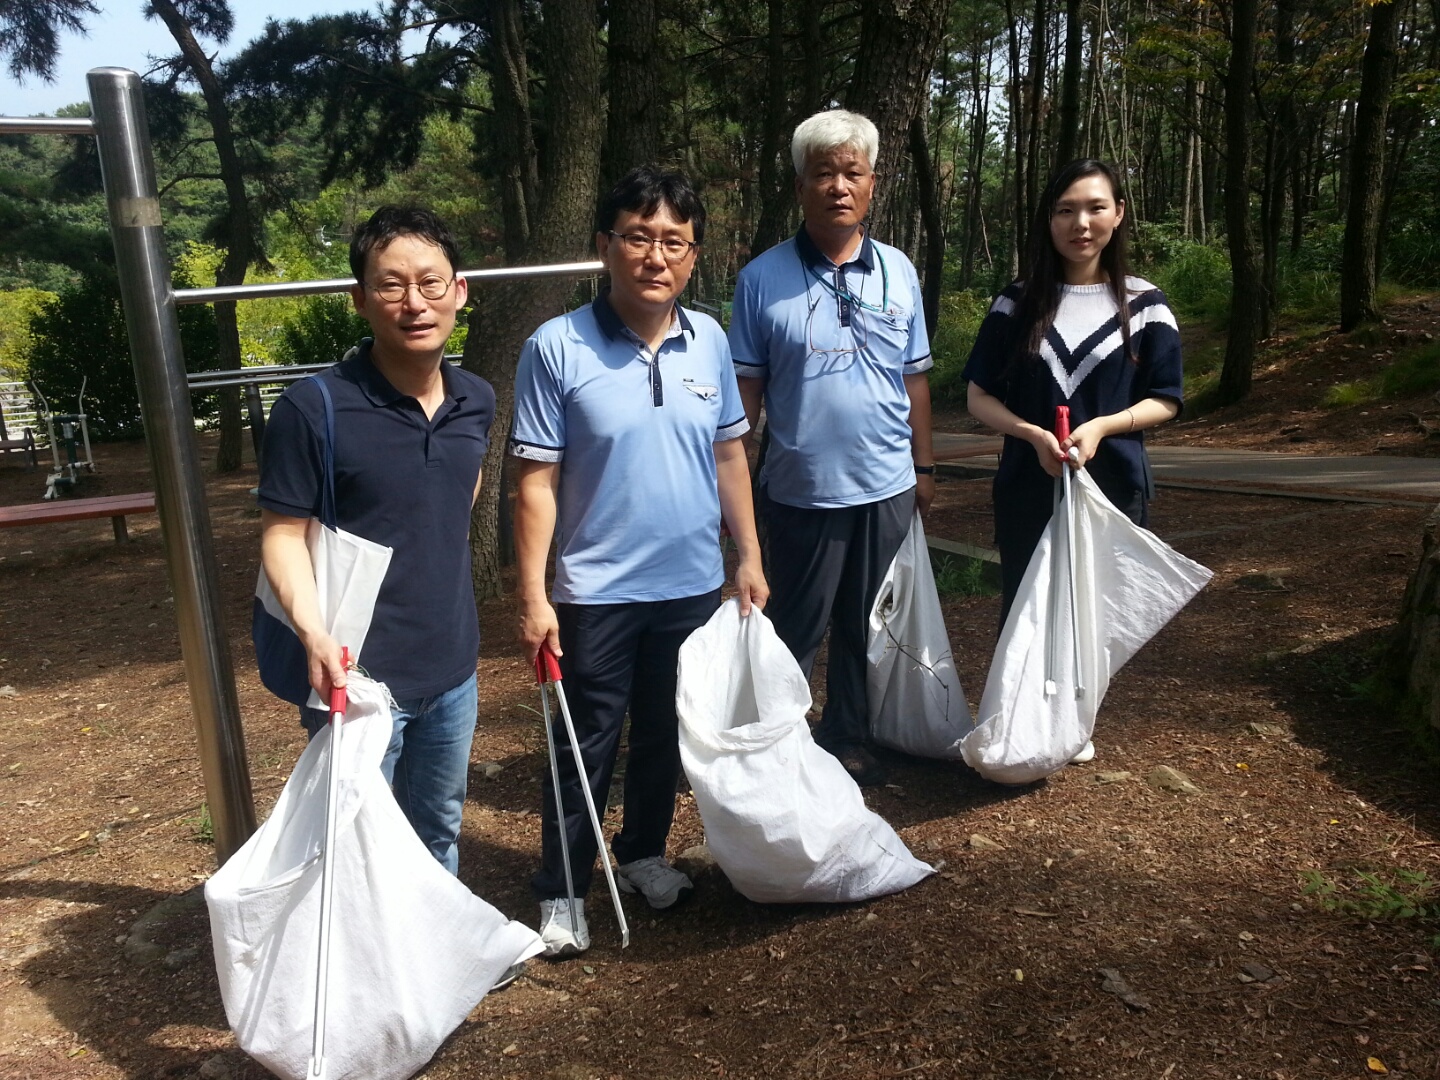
547 667
337 693
1062 423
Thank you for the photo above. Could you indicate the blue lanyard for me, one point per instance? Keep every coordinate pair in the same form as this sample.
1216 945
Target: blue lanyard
846 296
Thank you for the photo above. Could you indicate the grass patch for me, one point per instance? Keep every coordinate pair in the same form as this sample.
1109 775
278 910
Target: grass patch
956 576
204 828
1391 895
1412 373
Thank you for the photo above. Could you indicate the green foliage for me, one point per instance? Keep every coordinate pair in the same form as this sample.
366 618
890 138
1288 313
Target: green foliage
320 332
17 308
1389 895
1194 276
1413 372
204 827
961 314
962 577
80 335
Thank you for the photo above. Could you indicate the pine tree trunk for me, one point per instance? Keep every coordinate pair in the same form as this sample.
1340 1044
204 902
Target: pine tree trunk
633 120
1358 278
1246 296
898 39
506 313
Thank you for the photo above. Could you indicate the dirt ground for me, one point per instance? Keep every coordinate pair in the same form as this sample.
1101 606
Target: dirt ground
992 967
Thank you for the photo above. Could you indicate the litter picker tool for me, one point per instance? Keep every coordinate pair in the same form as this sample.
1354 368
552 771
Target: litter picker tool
1064 502
547 669
327 877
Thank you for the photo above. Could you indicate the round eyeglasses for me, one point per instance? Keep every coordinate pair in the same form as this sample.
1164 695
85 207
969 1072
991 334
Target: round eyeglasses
672 247
431 288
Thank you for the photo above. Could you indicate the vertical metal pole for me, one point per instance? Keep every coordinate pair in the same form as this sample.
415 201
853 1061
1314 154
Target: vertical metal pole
255 406
128 169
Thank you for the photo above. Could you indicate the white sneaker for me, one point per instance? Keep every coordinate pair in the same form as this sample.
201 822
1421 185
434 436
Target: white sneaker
563 938
1087 753
655 879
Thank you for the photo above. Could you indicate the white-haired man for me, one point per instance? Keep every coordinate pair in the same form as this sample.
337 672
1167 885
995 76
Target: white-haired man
828 332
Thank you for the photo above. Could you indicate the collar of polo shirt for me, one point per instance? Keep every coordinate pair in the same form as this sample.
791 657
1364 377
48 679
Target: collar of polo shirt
816 259
378 390
614 327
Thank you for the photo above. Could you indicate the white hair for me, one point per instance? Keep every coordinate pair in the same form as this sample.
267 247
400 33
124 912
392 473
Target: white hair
832 130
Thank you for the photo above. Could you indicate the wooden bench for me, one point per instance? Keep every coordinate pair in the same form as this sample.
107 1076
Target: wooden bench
115 507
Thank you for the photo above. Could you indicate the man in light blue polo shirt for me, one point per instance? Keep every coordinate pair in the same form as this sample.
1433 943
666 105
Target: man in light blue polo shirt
828 332
628 426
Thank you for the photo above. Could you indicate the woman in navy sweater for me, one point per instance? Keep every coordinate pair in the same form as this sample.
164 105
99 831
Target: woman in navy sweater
1056 337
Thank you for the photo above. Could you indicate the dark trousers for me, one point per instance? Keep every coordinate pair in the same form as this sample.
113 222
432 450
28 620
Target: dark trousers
1023 512
617 656
825 567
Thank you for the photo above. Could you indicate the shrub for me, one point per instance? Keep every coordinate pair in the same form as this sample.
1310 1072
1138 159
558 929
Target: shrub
324 329
1195 278
79 336
960 316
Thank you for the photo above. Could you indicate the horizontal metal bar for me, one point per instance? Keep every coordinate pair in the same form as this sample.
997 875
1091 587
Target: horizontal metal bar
46 125
337 285
264 375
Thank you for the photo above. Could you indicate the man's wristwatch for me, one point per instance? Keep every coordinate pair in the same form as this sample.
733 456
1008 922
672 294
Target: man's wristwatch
924 470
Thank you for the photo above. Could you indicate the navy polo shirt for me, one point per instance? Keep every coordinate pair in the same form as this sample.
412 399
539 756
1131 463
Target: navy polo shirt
638 514
833 344
404 481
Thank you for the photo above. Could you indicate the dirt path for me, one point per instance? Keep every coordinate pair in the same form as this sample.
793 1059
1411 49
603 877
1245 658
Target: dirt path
991 968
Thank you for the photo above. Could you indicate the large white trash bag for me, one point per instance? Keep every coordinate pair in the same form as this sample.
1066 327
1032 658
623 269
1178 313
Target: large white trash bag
1128 584
411 948
913 691
782 817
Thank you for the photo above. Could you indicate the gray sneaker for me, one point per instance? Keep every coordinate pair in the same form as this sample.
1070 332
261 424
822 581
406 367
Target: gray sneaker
563 931
655 879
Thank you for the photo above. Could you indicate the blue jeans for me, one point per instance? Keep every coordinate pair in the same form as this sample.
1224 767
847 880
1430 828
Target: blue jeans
427 763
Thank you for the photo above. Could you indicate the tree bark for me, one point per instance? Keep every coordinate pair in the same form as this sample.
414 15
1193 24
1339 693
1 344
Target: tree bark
506 313
1246 296
513 135
776 199
238 230
929 199
898 39
1070 84
1358 277
633 122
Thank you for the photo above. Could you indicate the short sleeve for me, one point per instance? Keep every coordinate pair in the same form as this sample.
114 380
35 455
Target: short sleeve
1162 370
291 459
917 359
733 423
748 346
987 362
539 433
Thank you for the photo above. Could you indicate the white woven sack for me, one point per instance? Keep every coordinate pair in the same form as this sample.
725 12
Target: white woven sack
412 950
913 693
1129 584
782 817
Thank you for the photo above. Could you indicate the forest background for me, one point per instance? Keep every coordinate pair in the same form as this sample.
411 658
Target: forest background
1282 164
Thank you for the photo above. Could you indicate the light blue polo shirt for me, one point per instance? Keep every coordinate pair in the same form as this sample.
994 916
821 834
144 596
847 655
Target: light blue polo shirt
634 432
834 345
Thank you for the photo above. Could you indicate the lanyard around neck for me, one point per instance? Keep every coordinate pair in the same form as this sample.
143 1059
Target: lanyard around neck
846 295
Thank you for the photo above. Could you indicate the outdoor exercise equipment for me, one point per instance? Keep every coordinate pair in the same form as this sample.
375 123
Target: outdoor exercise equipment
127 168
547 669
69 435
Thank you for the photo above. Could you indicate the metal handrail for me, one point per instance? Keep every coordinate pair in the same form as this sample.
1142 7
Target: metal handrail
46 125
337 285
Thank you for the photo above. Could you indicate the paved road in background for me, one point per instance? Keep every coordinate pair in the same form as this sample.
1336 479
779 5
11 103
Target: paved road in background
1395 477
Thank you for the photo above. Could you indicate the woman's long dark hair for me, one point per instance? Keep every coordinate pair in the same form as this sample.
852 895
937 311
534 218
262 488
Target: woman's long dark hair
1040 288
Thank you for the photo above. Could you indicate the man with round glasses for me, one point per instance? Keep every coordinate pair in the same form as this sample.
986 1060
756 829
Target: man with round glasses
410 434
828 333
627 428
